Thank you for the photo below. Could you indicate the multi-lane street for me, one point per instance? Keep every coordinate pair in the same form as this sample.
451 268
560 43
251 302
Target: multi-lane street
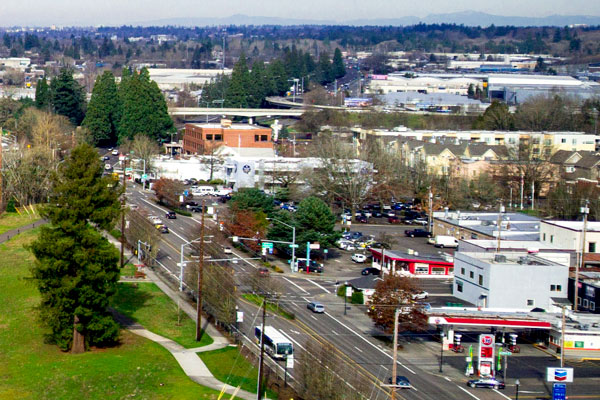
351 335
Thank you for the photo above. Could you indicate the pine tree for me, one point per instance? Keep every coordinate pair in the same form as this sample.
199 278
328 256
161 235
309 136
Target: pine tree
67 96
237 94
104 110
76 269
338 68
144 109
258 85
42 94
325 75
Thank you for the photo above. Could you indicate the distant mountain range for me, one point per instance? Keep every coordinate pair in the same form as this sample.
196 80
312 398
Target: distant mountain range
469 18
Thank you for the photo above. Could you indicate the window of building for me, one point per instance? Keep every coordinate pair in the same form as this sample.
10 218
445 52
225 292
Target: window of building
563 140
481 280
551 238
256 138
586 303
450 270
209 136
547 142
422 270
530 302
591 247
219 138
559 288
459 286
462 271
544 239
471 274
438 271
553 288
264 138
592 306
574 141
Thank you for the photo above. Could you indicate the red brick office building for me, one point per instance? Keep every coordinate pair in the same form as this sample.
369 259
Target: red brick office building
201 138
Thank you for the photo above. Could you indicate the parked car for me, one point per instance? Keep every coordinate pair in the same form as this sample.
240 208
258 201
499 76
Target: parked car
227 250
401 381
389 214
106 158
421 221
417 233
362 219
263 271
377 214
316 307
445 241
490 383
352 235
370 271
107 166
171 215
191 203
394 220
420 295
359 258
115 152
313 267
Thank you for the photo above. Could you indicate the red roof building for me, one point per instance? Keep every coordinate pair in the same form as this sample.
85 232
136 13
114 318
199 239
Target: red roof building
413 264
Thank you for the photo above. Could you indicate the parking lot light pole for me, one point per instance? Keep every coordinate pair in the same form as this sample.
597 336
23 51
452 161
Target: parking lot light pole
517 383
441 350
345 297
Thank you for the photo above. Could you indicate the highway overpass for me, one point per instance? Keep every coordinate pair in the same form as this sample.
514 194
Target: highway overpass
238 112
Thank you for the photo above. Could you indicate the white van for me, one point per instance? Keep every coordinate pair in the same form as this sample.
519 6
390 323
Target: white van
203 191
446 241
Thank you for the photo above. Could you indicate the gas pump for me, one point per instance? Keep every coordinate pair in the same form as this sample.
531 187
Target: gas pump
457 347
513 346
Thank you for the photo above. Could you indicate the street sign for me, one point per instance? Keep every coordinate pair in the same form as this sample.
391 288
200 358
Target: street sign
348 291
289 362
559 374
315 246
267 245
145 176
559 391
505 353
294 246
240 316
128 169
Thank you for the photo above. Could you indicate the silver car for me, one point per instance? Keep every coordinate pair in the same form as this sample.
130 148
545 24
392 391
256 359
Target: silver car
316 307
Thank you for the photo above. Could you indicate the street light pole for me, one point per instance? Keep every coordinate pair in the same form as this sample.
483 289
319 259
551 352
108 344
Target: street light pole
517 383
395 358
123 213
200 276
585 211
441 350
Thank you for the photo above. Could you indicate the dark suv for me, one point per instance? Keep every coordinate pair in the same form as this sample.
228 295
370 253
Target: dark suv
314 266
171 215
417 233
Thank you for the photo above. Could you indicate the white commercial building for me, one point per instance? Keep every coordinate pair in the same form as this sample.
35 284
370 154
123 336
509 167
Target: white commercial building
15 62
175 78
569 235
509 280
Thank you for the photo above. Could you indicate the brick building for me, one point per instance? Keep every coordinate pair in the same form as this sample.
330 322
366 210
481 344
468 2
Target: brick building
201 138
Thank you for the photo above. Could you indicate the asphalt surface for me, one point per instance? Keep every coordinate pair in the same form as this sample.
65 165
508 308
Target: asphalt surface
367 358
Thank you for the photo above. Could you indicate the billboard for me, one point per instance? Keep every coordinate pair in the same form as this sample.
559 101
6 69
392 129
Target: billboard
358 102
559 374
379 77
485 362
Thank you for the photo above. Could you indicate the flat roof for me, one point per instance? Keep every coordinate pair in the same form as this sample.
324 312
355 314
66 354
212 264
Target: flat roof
233 126
401 255
507 258
592 226
515 226
514 245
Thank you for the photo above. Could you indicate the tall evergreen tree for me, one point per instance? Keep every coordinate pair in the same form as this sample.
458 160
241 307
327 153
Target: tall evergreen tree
237 94
67 96
324 72
338 68
104 110
42 94
76 269
258 85
144 110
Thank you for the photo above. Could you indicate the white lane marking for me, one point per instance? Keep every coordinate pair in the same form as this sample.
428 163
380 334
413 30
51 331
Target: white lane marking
335 333
448 379
358 349
295 284
313 317
467 392
317 285
371 344
169 257
293 341
502 394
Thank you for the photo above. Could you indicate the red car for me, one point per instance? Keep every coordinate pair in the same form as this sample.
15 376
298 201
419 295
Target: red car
394 220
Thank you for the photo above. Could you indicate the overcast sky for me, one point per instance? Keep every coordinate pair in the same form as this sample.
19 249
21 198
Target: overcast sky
117 12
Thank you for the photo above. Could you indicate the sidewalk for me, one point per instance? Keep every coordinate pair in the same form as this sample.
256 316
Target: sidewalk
13 232
190 362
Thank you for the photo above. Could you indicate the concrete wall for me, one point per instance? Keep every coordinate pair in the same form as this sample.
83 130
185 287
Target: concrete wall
568 238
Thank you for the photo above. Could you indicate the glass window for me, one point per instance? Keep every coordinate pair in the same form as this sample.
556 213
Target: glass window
586 303
553 288
471 274
591 247
481 279
219 137
551 238
462 271
256 138
563 140
592 306
438 271
544 239
422 270
530 303
263 138
559 288
459 286
209 136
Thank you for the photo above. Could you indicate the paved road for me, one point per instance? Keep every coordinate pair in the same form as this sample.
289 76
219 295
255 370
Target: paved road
352 334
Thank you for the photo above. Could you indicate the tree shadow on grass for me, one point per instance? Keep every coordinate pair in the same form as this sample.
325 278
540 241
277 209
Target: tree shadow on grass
129 299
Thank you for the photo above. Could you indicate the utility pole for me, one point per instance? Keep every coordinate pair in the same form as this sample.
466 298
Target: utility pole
262 350
562 338
532 194
395 358
123 213
585 211
430 222
200 275
522 184
500 211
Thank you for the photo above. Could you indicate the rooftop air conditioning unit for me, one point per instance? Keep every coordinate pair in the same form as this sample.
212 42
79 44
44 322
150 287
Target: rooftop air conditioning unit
523 260
499 258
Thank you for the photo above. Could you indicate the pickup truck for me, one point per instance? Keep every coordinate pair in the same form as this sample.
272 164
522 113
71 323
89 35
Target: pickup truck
417 233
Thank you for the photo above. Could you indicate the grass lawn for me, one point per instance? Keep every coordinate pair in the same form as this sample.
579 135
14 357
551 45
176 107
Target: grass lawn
32 369
229 366
145 303
128 270
9 221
